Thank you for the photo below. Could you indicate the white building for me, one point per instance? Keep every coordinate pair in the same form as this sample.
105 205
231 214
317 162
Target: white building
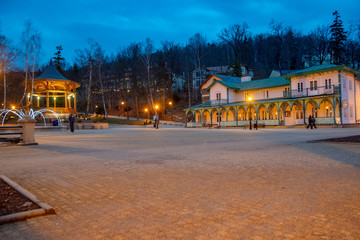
330 93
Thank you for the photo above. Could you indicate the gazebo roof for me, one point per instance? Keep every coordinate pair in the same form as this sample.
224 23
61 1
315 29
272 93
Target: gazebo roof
51 73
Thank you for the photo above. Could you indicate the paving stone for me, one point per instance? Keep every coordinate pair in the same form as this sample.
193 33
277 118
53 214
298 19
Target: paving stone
176 183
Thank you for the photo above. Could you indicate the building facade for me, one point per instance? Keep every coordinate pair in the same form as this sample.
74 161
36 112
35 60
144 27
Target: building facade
330 93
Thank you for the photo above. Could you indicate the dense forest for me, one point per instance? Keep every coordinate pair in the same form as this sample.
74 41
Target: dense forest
142 75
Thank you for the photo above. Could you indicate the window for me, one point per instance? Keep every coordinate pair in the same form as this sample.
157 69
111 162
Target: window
218 96
350 86
351 111
326 84
246 96
311 85
315 85
266 94
344 84
329 83
300 87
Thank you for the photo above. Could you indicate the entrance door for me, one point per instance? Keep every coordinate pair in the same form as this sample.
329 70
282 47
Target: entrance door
299 116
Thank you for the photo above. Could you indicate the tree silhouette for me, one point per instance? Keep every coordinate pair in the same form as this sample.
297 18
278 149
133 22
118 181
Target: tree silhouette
338 38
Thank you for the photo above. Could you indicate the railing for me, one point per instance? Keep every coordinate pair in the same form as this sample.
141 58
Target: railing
306 92
228 124
269 122
193 124
323 120
212 103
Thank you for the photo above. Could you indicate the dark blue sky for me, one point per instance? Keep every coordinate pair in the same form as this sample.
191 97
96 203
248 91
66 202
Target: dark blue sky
116 23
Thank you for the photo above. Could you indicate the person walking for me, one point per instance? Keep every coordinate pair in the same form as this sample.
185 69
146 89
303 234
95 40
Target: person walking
313 122
157 120
71 122
309 124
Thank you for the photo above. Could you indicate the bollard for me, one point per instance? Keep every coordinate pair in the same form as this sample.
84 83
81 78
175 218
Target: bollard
28 130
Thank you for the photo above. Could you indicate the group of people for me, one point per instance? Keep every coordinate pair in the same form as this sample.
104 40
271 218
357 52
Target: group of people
311 122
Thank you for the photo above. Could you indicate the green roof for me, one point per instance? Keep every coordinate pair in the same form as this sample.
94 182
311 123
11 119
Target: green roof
51 73
321 69
254 84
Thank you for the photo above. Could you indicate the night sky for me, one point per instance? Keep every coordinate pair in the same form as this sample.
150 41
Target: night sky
116 23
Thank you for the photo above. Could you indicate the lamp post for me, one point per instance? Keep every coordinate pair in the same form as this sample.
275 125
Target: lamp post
249 100
125 109
147 114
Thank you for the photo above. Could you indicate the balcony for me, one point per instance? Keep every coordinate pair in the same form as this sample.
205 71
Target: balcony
214 103
307 92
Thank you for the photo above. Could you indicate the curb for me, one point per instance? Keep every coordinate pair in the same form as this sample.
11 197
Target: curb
44 207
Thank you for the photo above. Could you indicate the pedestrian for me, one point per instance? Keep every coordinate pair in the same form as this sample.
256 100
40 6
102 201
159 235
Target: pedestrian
157 120
309 124
313 122
71 122
154 119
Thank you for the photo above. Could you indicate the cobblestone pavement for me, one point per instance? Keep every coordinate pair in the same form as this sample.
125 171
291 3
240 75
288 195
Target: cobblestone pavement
176 183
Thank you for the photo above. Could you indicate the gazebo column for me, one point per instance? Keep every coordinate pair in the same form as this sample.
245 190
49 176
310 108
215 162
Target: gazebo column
38 101
75 101
47 99
65 100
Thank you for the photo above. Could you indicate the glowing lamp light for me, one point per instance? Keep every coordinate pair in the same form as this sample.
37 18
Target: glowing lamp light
249 99
54 98
327 107
38 97
170 103
96 106
156 106
146 109
122 103
13 107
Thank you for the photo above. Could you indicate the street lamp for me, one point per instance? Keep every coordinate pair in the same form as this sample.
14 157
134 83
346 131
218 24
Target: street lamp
148 116
249 100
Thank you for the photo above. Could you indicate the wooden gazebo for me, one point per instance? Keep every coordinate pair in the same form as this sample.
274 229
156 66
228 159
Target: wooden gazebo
53 91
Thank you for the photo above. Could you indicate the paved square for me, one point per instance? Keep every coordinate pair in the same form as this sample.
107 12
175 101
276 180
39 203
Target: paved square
176 183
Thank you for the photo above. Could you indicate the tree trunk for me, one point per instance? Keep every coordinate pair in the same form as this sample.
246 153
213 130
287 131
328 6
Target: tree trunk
4 88
102 92
89 91
137 107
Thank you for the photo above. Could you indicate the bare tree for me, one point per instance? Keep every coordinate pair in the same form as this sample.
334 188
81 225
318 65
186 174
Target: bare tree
100 60
279 31
320 39
170 51
86 58
148 49
235 36
7 57
31 41
197 44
